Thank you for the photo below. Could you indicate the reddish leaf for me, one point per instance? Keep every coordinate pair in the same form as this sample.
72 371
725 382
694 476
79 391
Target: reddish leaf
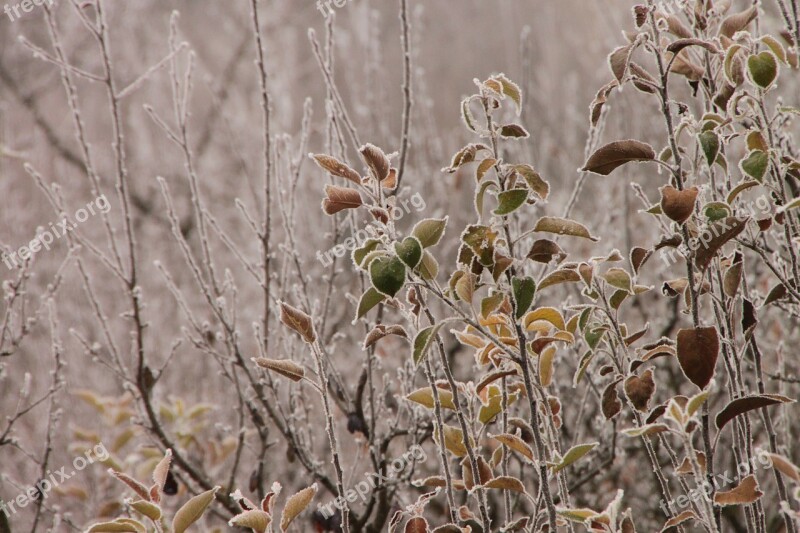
697 353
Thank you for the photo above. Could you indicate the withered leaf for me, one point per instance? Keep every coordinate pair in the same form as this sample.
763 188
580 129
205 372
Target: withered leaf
739 406
698 349
376 160
297 321
340 198
611 404
678 205
737 22
563 226
335 167
284 367
613 155
544 250
714 238
296 505
639 390
416 525
745 493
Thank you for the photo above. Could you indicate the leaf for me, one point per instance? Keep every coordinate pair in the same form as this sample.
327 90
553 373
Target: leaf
116 527
679 44
698 349
548 314
544 250
534 181
368 300
793 204
563 226
755 164
388 275
679 519
340 198
742 405
611 405
524 290
423 341
416 524
484 167
148 509
192 510
453 440
613 155
646 431
639 390
424 397
709 142
160 474
335 167
376 160
284 367
618 61
716 211
505 483
559 276
714 238
745 493
255 519
511 200
678 205
513 131
737 22
429 268
297 321
511 90
546 366
409 250
763 69
574 453
380 331
515 443
739 188
785 466
576 515
430 231
619 278
296 505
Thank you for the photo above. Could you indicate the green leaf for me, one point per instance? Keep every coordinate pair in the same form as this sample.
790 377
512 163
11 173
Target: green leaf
619 278
192 510
429 231
424 340
369 299
709 142
388 275
524 289
429 267
510 201
409 251
716 211
574 453
361 252
755 164
763 69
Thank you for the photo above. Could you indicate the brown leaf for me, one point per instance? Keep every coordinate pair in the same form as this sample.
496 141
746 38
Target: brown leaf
678 205
737 22
749 318
714 238
340 198
380 331
284 367
297 321
616 154
611 404
732 279
416 525
618 61
515 443
506 483
376 160
785 466
639 257
639 390
680 44
676 520
336 167
742 405
698 349
745 493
